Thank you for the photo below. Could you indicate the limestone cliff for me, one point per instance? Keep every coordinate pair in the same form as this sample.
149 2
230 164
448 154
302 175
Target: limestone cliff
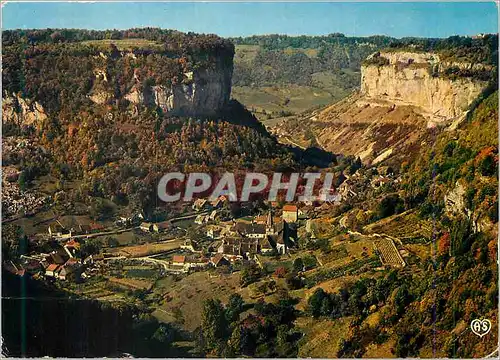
415 79
21 111
403 96
203 92
183 74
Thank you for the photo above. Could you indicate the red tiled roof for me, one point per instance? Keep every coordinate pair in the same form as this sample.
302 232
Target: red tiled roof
217 258
179 258
72 261
73 243
52 267
289 208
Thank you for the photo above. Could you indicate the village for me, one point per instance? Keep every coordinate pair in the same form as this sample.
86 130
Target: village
229 241
207 237
208 244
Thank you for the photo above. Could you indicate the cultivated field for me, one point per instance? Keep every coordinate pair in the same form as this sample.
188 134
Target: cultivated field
389 254
146 249
274 99
134 284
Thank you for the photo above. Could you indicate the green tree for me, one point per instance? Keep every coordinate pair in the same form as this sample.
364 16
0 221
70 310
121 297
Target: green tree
298 265
250 274
234 307
90 247
315 302
213 325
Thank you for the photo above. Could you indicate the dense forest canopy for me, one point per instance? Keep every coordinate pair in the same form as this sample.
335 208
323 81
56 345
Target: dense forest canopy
172 39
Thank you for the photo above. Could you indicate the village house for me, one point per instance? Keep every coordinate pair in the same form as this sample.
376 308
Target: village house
58 257
202 219
94 258
178 260
266 245
161 227
214 232
128 219
96 227
52 270
32 265
230 247
239 247
213 215
346 189
197 263
249 247
379 181
66 272
71 248
250 230
57 230
290 213
69 269
84 229
146 227
13 268
219 260
219 202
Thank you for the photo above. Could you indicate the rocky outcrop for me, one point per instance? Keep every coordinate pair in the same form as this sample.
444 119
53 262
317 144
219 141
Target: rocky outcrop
455 201
202 92
403 96
406 78
18 110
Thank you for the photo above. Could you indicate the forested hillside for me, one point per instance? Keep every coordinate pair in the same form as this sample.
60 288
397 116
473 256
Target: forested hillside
72 94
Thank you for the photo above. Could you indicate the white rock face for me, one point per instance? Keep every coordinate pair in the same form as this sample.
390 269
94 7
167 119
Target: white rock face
455 200
205 94
22 111
407 80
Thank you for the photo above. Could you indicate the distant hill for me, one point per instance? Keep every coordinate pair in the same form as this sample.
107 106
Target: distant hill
279 75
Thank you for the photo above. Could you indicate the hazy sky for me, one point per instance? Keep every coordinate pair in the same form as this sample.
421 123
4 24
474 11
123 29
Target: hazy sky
241 19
